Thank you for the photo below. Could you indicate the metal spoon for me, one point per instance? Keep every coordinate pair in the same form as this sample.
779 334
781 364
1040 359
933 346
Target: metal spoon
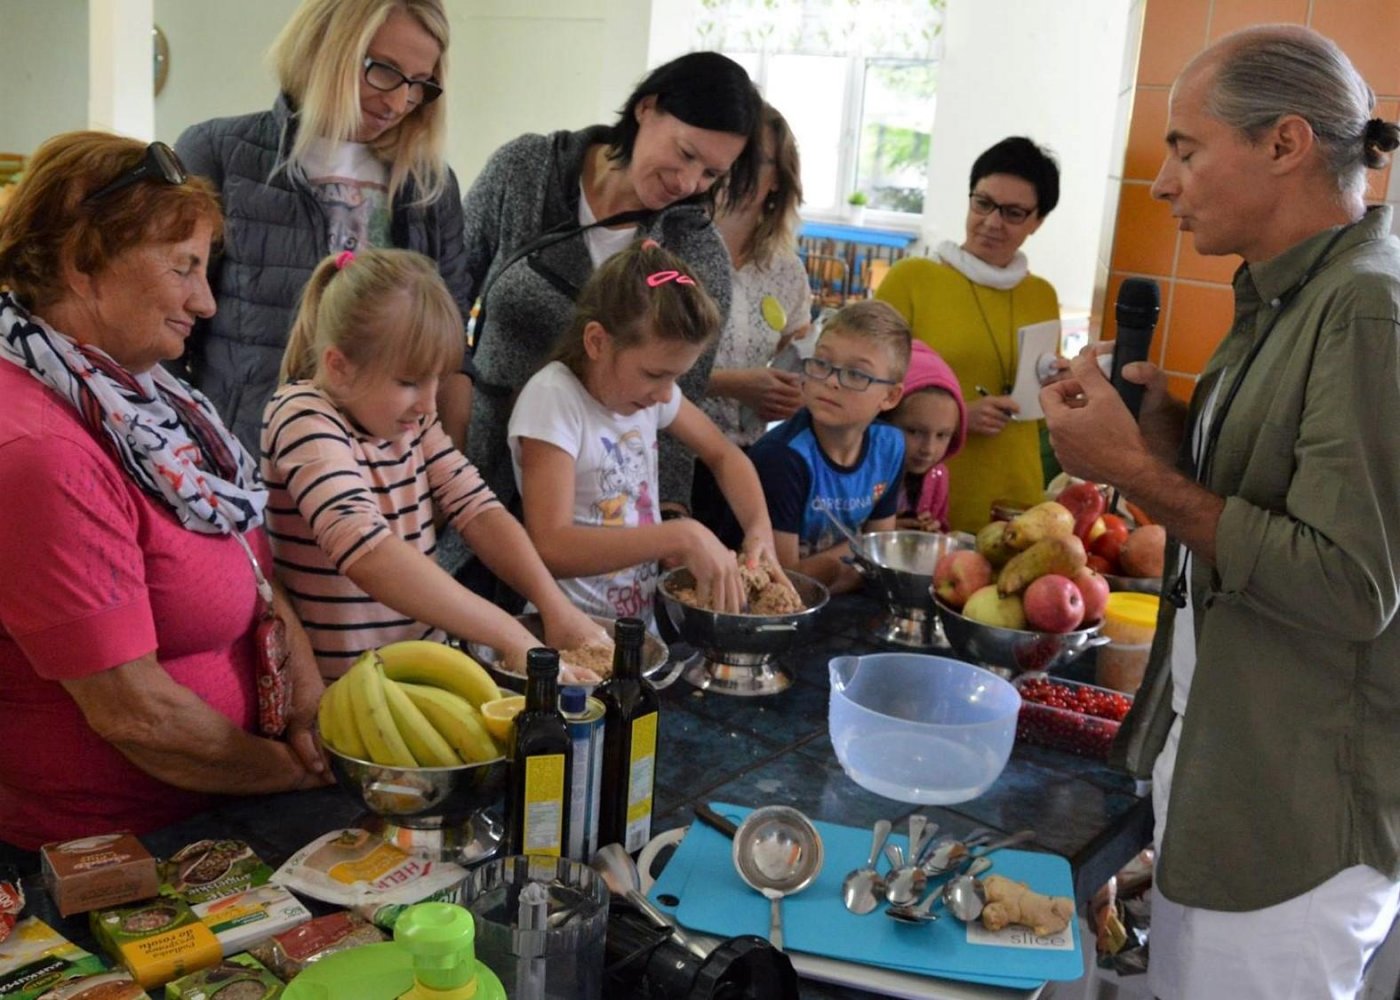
977 851
963 895
777 851
920 913
906 881
620 875
850 536
864 887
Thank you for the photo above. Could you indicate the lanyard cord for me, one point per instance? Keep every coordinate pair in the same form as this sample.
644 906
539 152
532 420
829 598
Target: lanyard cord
986 325
1208 447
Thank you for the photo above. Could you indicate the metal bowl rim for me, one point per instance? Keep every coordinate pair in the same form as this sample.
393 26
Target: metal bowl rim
666 595
451 768
1087 632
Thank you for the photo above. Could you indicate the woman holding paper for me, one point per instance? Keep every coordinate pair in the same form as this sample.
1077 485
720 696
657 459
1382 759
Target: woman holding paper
969 303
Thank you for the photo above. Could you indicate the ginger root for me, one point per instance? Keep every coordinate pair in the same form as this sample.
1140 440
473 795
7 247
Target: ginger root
1011 902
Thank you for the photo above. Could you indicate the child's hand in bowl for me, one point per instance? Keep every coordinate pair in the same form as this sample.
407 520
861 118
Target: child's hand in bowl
716 571
566 627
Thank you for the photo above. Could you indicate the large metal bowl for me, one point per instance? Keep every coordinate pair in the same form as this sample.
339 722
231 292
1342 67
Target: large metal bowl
1134 584
1014 650
654 655
440 812
898 565
721 636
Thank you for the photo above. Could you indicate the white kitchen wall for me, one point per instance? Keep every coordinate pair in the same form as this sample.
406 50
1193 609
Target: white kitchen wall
43 70
1048 70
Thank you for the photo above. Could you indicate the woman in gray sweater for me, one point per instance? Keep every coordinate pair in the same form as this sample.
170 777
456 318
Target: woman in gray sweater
548 209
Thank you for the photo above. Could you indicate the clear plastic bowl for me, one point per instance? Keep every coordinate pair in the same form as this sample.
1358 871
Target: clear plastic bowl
924 729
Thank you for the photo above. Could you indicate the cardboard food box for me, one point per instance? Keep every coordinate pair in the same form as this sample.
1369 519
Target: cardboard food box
245 918
103 986
156 941
241 977
226 885
95 873
35 959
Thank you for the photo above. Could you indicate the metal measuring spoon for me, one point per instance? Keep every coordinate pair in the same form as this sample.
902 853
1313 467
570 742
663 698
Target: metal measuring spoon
906 882
963 894
777 851
864 887
920 913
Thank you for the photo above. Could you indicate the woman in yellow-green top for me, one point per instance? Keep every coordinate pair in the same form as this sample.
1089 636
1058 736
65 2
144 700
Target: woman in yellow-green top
967 302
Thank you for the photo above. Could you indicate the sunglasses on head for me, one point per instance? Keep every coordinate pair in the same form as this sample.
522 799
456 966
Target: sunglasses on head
160 164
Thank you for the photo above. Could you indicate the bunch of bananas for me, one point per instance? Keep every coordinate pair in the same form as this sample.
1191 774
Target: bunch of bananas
411 704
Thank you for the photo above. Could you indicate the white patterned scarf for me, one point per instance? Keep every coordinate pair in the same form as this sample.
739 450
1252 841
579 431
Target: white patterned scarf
163 432
978 271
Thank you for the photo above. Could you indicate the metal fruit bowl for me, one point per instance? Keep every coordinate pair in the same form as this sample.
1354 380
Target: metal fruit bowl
440 812
654 655
1016 650
1136 584
898 565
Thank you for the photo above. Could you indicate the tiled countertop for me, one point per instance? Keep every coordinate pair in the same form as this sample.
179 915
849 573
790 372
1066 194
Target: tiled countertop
759 751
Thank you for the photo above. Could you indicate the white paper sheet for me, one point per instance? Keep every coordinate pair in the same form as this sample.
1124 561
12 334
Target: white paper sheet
1031 343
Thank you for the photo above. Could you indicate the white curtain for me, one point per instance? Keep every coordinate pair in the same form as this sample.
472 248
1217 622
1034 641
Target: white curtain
904 29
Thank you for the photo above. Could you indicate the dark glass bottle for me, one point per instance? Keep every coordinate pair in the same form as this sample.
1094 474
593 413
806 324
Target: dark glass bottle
537 801
629 742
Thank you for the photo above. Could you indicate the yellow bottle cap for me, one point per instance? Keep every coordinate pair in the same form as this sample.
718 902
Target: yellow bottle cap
1132 609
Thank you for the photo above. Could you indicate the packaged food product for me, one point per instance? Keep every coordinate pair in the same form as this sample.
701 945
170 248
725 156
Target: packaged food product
242 919
104 986
239 977
209 869
351 867
1077 718
11 900
290 952
94 873
156 941
36 959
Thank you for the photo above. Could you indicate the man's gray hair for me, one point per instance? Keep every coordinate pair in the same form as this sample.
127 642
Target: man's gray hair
1267 72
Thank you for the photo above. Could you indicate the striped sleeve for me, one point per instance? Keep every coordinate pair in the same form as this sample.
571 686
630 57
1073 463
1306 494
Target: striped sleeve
459 493
310 451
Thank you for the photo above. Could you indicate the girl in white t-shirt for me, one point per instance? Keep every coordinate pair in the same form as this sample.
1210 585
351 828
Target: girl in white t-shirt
583 442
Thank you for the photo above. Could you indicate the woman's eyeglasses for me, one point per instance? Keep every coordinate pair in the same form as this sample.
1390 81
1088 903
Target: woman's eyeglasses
1014 214
385 79
159 164
848 378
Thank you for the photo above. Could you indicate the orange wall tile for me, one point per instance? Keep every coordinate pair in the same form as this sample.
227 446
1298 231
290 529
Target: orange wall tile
1172 32
1146 238
1231 15
1368 31
1200 317
1149 125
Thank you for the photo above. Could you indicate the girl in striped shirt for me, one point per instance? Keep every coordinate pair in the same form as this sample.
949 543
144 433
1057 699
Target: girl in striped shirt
362 474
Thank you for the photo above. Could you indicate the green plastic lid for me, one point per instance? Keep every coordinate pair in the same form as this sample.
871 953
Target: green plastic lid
441 937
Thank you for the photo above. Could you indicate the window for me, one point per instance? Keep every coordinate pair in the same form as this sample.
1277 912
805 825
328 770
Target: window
856 81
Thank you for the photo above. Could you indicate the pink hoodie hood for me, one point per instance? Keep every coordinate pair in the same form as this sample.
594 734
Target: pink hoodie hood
929 371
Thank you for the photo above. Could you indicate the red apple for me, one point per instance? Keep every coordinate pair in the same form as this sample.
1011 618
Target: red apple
1053 604
1094 589
958 575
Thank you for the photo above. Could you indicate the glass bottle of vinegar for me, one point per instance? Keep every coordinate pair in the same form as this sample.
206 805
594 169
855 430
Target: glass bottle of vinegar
538 796
629 742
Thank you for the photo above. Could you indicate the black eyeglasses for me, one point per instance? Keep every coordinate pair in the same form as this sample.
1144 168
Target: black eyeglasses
159 164
1014 214
848 378
386 79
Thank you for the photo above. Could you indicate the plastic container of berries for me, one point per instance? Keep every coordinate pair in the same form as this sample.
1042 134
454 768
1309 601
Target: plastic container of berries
1063 715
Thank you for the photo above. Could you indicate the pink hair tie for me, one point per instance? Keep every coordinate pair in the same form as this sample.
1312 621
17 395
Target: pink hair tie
661 277
343 259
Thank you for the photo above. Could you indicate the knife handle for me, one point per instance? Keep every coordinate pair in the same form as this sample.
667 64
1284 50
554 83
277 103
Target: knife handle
715 821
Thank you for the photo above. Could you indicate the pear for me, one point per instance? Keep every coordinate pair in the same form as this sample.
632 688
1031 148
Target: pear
1044 520
1064 556
990 608
991 543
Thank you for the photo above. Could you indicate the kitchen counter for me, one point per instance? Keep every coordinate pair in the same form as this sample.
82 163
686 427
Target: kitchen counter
773 751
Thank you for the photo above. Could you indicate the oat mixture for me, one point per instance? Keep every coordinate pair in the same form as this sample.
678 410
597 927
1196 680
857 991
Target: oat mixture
766 588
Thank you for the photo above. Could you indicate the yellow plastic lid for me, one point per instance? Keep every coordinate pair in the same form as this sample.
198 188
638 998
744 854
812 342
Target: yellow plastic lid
1126 607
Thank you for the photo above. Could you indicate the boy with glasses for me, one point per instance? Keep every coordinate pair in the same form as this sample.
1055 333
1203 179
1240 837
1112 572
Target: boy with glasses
832 459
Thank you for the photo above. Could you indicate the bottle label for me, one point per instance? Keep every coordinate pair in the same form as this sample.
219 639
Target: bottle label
544 805
640 779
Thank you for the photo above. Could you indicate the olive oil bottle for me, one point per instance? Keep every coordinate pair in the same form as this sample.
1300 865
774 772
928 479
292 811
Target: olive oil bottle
632 711
538 796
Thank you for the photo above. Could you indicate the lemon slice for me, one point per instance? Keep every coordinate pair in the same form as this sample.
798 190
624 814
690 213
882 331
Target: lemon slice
773 313
499 715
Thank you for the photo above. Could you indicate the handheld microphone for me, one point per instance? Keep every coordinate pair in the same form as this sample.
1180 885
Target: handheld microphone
1139 301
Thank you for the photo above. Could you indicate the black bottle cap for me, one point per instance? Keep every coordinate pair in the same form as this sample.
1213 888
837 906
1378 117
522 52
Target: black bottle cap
542 663
629 632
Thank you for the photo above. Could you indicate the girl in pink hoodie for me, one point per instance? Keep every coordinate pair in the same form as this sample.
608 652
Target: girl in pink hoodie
933 417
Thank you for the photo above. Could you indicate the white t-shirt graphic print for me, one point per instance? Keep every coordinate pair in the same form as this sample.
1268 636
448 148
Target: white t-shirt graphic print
615 476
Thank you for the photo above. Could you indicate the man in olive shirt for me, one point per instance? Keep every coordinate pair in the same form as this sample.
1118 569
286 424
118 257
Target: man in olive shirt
1270 716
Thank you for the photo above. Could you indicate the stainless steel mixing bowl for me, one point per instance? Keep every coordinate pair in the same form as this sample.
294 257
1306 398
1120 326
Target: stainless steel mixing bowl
1015 650
440 812
654 656
737 650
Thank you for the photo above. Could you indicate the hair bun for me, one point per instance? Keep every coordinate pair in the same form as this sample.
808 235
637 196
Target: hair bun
1382 134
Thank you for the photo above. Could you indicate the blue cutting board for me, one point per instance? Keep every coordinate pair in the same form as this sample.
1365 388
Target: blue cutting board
712 898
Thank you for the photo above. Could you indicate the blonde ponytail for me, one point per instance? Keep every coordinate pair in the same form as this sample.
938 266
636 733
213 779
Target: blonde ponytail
299 360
